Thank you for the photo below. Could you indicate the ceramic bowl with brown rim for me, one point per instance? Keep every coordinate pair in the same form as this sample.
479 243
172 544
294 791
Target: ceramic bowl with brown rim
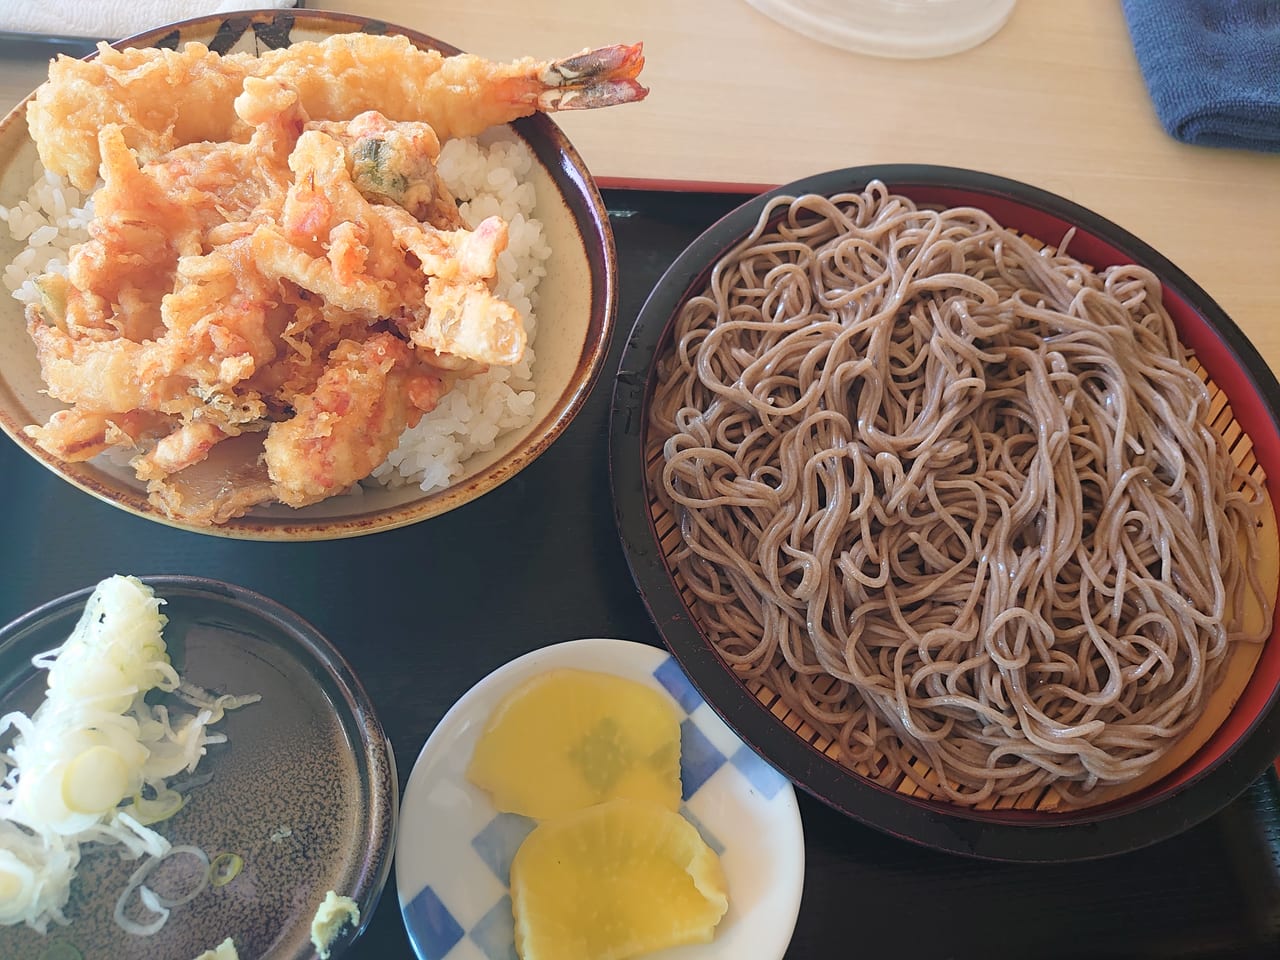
576 299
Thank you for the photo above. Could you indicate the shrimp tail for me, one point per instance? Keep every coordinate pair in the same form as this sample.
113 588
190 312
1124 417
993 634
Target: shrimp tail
604 94
593 78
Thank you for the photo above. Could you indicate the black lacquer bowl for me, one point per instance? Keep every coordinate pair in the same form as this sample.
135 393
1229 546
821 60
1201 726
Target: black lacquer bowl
304 791
1230 750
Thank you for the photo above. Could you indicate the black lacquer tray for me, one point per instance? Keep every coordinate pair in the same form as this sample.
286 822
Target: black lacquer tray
424 612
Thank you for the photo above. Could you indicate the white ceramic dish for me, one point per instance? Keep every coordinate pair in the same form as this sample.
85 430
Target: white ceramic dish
454 849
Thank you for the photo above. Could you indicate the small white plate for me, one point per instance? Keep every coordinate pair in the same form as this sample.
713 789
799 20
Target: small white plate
454 849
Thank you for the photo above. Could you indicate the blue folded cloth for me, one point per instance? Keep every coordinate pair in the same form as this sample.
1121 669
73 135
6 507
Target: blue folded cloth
1212 67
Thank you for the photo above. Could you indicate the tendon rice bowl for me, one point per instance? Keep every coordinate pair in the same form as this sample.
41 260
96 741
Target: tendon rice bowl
488 176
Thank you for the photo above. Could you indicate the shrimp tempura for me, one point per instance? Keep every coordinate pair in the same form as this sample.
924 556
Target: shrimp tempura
167 98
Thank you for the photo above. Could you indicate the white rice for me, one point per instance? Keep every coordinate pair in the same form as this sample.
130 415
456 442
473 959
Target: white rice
52 218
489 180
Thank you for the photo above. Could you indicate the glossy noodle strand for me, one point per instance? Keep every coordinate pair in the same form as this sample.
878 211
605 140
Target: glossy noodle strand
971 481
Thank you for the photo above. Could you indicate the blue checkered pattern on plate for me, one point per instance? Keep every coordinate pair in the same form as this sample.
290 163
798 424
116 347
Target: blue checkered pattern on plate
706 748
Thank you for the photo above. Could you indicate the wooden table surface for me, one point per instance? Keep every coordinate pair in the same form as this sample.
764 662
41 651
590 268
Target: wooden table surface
1055 99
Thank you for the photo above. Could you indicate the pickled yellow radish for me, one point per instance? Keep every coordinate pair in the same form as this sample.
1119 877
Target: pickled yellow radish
95 781
568 739
613 881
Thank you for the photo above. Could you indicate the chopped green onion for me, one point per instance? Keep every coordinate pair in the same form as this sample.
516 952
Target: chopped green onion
52 288
163 806
61 950
225 868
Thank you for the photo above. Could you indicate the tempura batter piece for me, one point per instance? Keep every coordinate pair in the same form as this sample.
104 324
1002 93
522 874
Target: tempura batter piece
222 183
352 253
106 376
138 233
75 435
467 320
395 163
229 481
185 447
369 393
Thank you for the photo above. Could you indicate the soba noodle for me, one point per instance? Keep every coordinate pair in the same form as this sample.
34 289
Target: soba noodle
971 481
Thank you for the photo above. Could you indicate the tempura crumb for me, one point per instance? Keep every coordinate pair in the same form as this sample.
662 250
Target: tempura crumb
335 912
226 950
